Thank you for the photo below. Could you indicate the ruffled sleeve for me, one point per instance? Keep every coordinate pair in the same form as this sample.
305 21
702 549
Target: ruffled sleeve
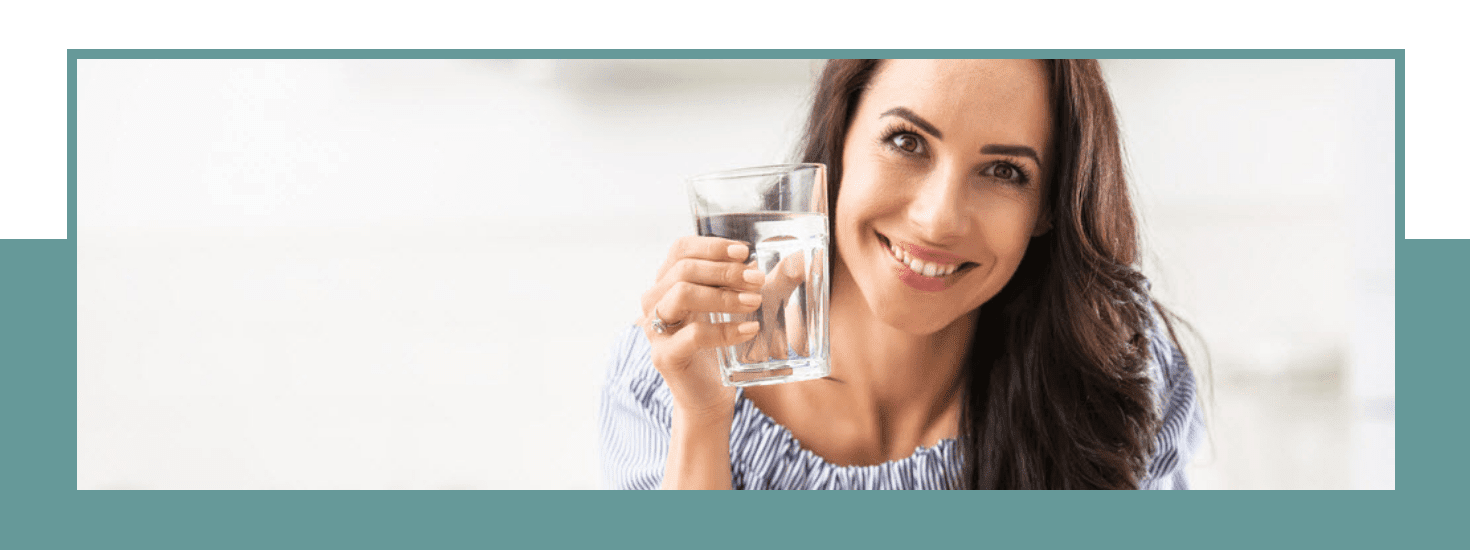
1182 426
634 416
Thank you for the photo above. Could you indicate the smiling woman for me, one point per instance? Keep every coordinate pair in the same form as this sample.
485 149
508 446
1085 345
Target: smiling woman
989 326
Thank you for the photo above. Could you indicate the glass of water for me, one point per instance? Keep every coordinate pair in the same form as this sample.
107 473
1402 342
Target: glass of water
780 212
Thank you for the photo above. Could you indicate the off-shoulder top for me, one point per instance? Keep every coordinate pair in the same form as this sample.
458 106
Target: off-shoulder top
635 418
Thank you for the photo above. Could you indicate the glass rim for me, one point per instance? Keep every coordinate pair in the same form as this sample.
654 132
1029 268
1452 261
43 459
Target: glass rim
755 171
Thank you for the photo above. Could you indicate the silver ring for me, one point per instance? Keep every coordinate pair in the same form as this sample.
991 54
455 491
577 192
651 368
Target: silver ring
661 327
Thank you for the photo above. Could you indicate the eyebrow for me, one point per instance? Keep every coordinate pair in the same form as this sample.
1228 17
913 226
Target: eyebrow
1012 150
904 113
992 149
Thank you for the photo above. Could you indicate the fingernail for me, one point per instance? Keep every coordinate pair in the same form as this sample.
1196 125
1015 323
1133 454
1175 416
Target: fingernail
748 327
750 298
738 251
754 276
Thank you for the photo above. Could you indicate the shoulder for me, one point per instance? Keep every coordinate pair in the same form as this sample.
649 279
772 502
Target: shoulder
1181 420
634 417
631 381
1167 367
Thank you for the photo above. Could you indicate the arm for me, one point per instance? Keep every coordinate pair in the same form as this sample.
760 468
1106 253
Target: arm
699 454
645 440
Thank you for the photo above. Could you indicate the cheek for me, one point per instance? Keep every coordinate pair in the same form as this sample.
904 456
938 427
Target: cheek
863 198
1008 224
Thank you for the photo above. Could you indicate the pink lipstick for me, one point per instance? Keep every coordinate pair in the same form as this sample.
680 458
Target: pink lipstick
919 282
924 269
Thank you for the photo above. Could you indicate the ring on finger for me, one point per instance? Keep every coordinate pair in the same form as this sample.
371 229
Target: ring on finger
663 327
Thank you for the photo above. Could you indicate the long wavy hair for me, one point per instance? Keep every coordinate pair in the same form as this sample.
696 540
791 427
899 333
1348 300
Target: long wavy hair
1056 391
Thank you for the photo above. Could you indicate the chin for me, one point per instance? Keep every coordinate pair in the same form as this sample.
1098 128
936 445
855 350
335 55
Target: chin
905 318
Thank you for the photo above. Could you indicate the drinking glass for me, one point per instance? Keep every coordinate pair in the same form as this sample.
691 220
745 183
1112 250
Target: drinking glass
780 212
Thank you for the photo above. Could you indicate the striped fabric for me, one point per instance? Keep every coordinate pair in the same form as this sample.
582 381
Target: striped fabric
635 421
1182 429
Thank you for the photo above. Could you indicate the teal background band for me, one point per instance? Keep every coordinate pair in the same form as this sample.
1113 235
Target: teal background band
738 54
43 509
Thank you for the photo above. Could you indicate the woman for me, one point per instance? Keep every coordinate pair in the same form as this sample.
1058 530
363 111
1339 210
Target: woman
1038 361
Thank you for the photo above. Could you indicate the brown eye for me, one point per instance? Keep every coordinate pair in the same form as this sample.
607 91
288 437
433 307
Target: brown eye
906 142
1008 172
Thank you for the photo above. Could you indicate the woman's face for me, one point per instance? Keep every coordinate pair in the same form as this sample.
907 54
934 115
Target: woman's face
942 186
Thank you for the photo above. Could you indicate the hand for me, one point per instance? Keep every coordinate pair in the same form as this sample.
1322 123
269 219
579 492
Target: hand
701 275
790 331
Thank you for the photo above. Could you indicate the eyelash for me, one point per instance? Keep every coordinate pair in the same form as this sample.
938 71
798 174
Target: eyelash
900 128
1014 164
895 130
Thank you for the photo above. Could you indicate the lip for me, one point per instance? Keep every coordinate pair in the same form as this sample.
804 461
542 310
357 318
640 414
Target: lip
916 280
930 255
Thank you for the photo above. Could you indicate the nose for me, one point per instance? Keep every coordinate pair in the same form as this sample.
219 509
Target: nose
938 210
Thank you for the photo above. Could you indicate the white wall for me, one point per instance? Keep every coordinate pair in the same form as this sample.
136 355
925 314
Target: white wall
1267 191
1267 194
407 274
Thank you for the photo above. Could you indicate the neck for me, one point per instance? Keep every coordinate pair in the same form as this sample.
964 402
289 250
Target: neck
890 374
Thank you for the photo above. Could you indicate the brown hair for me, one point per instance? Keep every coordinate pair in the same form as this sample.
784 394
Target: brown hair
1056 391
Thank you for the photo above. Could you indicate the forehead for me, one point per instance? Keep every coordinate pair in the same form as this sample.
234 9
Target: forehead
1008 97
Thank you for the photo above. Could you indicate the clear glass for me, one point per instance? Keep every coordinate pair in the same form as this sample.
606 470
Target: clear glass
780 212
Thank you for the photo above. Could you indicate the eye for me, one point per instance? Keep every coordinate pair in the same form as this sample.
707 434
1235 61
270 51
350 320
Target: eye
907 143
1007 171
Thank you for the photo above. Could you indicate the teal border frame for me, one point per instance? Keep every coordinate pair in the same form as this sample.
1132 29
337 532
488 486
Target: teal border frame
43 509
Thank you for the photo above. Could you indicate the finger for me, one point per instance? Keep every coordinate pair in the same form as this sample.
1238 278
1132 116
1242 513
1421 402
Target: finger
756 351
774 337
796 331
684 299
732 276
778 344
797 317
705 248
727 274
786 276
678 351
793 266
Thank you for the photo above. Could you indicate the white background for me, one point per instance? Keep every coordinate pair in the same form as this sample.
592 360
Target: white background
407 274
33 179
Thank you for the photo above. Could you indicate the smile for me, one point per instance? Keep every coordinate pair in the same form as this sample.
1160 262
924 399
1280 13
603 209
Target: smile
927 269
924 269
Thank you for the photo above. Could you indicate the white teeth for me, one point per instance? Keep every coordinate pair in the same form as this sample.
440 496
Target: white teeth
927 269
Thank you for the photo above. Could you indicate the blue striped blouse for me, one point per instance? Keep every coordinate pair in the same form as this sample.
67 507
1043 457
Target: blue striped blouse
635 418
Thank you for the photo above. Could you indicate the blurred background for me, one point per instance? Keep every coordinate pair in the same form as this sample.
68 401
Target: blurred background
407 274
